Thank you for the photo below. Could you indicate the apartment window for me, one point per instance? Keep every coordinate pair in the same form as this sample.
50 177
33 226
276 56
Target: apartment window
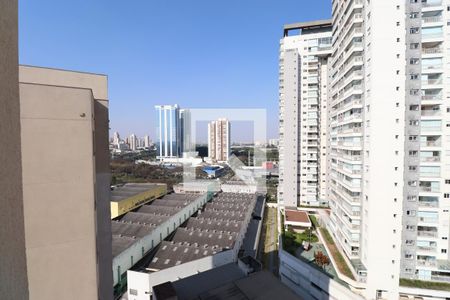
447 181
444 251
414 76
446 195
414 15
414 61
414 30
397 72
398 40
414 46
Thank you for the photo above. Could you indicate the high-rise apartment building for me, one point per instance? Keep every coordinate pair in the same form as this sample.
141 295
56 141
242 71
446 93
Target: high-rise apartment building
147 141
387 126
116 139
66 184
219 140
304 60
133 141
168 131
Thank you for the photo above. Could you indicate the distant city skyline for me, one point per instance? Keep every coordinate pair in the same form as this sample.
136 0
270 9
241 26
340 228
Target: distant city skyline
209 55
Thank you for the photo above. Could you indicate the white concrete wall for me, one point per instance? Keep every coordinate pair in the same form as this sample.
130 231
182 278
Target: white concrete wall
144 282
309 283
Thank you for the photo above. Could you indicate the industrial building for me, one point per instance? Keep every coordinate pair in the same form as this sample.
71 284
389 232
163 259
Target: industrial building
137 233
233 281
212 238
131 195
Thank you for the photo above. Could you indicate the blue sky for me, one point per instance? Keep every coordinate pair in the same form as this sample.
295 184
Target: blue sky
196 53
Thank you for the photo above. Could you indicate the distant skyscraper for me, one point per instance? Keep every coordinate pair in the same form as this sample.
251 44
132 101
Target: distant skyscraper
133 142
185 131
168 131
219 140
147 141
116 138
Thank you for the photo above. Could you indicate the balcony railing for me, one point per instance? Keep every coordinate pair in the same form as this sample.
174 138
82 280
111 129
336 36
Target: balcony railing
426 263
432 97
432 81
427 233
428 220
428 203
430 159
431 50
431 3
432 67
430 112
429 189
431 19
430 144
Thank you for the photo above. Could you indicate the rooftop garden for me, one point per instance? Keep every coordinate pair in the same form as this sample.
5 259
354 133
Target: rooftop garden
421 284
338 258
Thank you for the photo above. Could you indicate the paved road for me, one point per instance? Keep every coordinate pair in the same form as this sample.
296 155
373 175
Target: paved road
271 246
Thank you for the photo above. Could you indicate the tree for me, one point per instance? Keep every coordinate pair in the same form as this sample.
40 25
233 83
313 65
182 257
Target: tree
321 259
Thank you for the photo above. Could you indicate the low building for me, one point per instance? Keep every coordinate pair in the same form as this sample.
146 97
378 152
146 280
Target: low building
234 281
296 219
211 239
136 234
237 186
132 195
198 186
213 171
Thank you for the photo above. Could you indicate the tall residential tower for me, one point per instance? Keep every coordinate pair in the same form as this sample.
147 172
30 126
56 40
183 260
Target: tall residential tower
304 60
219 140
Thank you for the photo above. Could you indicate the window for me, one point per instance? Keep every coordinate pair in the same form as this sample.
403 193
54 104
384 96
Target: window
443 250
414 30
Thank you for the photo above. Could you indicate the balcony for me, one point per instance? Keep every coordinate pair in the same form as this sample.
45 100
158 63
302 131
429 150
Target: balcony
432 97
431 3
434 50
430 112
432 81
431 19
429 189
426 263
430 159
436 143
429 204
428 220
425 233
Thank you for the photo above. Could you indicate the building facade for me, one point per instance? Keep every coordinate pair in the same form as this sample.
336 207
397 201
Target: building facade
13 273
168 131
304 60
65 193
133 141
219 140
386 129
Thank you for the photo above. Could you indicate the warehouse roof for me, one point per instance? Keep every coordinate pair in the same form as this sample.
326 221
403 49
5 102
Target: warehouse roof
218 225
132 189
144 218
120 244
172 254
130 229
204 237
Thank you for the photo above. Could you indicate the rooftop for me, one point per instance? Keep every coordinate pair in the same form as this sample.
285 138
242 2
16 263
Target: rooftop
172 254
225 282
201 237
308 26
217 225
131 189
297 216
